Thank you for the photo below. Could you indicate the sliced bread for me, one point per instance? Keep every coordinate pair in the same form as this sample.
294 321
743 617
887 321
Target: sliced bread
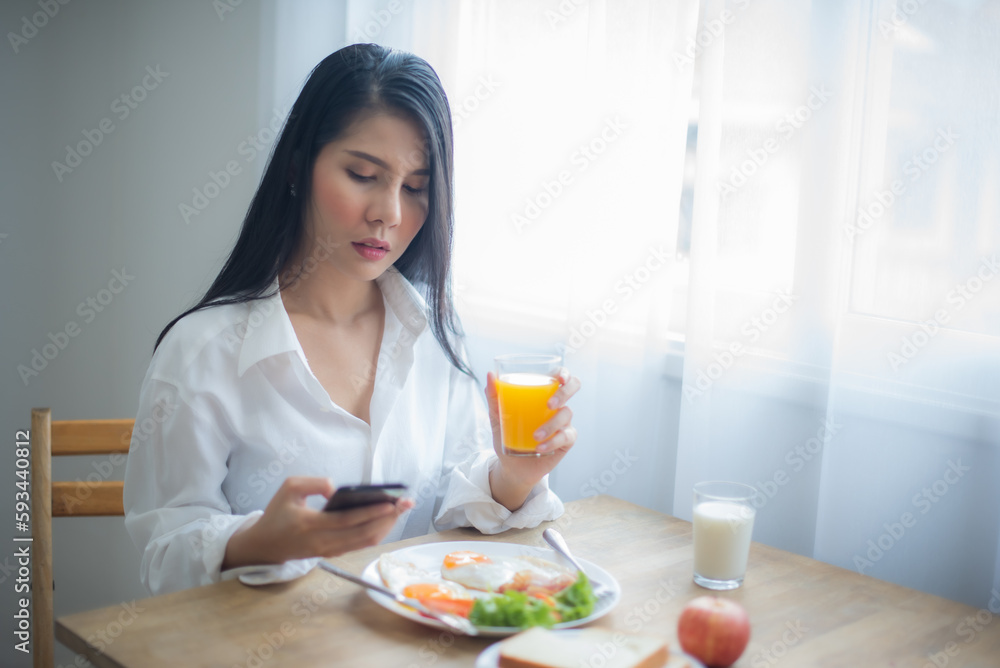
541 648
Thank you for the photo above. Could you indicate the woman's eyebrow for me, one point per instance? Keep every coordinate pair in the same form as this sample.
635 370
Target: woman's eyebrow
382 163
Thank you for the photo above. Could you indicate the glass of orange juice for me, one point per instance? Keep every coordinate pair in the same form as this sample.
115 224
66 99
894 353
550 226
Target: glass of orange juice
525 383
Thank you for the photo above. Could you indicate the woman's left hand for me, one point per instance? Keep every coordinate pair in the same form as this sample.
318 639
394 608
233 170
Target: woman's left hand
512 479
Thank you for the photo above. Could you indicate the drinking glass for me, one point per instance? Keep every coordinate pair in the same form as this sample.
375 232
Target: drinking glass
525 383
723 523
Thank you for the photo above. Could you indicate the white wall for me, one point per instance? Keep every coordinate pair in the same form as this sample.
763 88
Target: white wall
118 210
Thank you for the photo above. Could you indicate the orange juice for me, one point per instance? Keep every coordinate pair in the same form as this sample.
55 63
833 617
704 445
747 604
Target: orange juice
523 401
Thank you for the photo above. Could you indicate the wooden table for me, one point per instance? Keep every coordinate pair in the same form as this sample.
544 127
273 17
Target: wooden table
803 612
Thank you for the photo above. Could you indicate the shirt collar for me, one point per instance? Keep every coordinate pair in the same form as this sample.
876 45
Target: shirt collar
269 332
405 300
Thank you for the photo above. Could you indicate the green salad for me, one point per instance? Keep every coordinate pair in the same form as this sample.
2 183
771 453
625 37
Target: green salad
515 608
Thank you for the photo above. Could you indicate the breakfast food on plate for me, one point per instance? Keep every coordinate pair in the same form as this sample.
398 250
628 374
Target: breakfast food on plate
396 573
428 588
716 630
540 648
526 609
504 591
441 597
477 571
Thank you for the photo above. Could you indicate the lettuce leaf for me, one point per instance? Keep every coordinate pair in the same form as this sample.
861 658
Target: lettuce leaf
512 608
517 609
577 600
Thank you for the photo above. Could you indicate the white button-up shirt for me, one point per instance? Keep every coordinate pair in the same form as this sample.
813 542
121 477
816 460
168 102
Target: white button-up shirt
229 408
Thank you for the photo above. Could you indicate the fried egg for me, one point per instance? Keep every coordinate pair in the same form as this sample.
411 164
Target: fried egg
477 571
448 597
396 574
428 588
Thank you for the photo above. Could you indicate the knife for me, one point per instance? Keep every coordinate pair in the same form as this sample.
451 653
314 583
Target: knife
460 624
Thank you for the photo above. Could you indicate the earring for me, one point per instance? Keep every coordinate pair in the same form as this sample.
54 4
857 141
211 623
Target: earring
294 192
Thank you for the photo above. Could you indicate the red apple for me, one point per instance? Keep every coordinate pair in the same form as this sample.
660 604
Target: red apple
714 630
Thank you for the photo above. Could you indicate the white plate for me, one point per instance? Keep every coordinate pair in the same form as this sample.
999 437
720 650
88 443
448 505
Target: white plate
490 657
430 556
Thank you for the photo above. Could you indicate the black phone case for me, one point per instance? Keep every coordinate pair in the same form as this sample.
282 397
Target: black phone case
356 496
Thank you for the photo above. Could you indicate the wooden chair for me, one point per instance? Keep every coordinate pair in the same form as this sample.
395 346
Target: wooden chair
65 499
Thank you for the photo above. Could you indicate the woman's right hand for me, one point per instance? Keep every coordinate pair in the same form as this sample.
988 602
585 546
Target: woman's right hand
289 529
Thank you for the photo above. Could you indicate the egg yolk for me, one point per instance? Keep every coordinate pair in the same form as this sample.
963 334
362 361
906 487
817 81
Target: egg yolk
464 558
440 599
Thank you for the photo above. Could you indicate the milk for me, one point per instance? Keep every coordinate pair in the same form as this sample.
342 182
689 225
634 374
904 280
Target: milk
722 539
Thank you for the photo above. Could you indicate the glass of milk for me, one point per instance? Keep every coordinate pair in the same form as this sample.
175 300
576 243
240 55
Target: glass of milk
723 522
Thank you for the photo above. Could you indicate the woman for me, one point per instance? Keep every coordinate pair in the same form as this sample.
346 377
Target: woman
315 360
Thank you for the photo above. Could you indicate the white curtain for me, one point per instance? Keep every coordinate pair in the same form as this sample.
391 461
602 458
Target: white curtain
765 234
842 347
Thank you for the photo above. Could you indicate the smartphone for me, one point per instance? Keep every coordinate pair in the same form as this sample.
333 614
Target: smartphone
355 496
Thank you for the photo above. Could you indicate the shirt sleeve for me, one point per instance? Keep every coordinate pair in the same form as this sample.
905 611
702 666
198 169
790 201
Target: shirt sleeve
175 510
468 459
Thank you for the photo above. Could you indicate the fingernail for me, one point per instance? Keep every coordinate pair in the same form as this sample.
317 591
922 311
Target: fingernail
553 403
539 435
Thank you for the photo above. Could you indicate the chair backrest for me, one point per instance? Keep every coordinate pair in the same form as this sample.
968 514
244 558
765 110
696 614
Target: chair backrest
65 499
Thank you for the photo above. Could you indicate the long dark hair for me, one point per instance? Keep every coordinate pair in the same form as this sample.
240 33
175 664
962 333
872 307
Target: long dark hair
348 82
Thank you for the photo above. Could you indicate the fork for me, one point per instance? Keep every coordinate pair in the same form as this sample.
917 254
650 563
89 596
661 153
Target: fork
456 623
558 543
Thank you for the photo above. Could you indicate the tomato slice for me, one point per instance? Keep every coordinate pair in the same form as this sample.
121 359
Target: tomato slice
450 606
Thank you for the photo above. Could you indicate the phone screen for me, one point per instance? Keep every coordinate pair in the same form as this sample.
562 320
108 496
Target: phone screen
355 496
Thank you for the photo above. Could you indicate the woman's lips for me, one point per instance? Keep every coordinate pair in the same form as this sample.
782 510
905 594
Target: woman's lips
368 252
